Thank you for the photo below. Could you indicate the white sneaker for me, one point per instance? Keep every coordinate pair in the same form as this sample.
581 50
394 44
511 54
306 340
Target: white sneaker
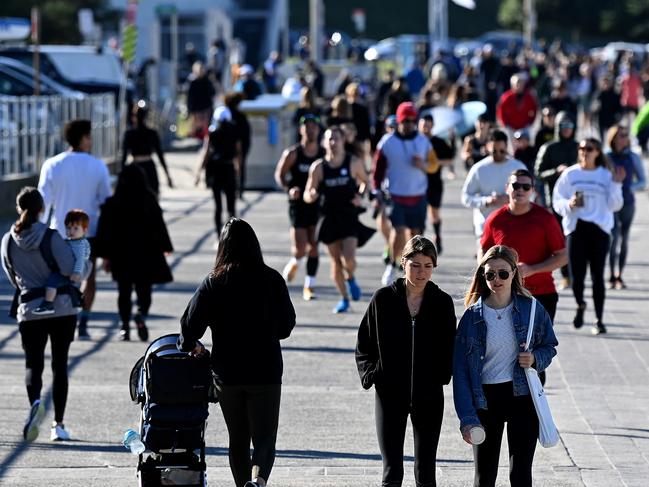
58 433
290 270
388 275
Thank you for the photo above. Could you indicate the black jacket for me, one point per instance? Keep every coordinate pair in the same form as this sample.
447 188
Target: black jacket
248 314
384 350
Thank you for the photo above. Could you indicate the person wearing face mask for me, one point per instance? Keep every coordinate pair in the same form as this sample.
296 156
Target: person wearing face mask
586 196
490 390
484 187
405 349
402 162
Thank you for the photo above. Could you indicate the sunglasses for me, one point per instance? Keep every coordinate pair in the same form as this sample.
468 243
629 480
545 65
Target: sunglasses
523 186
502 274
586 148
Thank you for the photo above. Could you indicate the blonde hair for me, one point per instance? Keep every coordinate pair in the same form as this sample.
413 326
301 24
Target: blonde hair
612 133
479 289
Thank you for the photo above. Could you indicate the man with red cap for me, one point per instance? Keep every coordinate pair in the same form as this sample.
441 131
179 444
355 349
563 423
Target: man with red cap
401 162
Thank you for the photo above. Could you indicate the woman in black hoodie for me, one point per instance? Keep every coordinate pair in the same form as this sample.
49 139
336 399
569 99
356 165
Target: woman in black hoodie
405 348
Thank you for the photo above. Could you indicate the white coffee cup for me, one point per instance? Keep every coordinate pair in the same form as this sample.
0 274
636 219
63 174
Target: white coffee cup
477 435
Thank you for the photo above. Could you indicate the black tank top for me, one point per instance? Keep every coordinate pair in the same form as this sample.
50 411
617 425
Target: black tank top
338 187
299 172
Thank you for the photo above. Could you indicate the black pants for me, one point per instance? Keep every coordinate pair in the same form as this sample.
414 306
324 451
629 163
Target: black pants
251 413
125 304
620 235
224 182
426 416
522 433
588 246
34 336
549 302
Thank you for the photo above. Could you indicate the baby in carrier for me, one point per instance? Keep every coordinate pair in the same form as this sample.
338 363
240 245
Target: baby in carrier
76 227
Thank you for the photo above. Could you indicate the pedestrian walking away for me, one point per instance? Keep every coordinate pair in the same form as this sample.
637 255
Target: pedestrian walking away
402 161
405 349
141 142
246 354
132 240
586 196
292 173
240 121
220 160
489 383
30 253
341 180
75 179
485 184
621 155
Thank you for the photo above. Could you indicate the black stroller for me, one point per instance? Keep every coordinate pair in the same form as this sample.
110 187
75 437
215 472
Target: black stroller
174 390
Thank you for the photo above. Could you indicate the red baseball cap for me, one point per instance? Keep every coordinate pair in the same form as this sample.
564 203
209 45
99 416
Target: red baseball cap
406 110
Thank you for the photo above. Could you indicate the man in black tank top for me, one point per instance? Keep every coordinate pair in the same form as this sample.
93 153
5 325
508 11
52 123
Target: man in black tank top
291 174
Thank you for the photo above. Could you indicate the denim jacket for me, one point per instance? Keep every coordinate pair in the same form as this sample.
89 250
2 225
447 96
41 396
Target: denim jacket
470 348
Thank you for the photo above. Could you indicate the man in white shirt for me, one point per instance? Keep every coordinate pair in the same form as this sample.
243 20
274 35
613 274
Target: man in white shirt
71 180
485 186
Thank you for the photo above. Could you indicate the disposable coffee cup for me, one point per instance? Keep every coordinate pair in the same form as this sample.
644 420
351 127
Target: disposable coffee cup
477 434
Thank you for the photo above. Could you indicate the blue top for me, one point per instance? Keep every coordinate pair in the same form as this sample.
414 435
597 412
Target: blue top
635 179
470 348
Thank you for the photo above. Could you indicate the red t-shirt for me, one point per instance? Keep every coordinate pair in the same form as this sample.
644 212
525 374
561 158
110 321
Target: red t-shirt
536 235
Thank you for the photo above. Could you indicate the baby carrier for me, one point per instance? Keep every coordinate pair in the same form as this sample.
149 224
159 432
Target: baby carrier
174 390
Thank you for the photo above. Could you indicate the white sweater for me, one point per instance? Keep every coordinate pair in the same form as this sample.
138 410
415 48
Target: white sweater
602 197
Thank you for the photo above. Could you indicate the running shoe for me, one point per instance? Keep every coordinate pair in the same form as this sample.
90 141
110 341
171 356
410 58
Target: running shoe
388 275
82 333
578 320
290 270
59 433
386 255
308 294
353 289
342 306
142 330
598 328
36 414
619 283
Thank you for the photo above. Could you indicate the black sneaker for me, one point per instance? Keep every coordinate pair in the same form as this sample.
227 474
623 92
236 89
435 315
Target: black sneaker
142 330
578 320
82 329
598 328
45 308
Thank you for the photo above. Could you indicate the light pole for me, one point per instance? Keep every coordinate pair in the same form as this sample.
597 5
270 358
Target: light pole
316 20
529 23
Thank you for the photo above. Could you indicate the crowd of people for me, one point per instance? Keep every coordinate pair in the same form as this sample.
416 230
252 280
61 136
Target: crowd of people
542 200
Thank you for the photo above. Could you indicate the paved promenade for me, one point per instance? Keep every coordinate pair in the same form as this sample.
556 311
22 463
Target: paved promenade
598 386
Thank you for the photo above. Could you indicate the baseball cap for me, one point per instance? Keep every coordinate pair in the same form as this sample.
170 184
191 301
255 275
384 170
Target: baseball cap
309 117
522 134
391 121
566 124
405 111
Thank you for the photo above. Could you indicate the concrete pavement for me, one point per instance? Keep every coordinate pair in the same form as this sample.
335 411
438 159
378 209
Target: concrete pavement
598 386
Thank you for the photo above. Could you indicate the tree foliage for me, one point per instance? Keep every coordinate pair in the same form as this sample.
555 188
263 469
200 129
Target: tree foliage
59 21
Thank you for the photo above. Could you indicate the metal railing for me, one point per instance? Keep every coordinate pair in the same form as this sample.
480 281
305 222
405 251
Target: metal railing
31 129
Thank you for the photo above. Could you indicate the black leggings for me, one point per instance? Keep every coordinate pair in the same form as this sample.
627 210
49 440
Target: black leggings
34 336
620 235
522 433
224 181
251 413
588 245
426 415
125 304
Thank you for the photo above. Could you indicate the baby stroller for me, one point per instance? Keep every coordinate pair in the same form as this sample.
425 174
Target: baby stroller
174 390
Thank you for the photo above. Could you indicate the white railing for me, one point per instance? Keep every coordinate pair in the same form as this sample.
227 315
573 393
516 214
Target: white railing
31 129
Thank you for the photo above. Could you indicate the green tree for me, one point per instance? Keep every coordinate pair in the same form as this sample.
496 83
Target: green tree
510 14
59 24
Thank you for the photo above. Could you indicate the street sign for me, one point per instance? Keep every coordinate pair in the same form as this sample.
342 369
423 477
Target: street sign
165 9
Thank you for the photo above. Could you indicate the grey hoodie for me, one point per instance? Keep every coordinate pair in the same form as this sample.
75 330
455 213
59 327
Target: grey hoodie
31 270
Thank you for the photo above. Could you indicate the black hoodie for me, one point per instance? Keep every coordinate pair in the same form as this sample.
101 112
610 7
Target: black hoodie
388 336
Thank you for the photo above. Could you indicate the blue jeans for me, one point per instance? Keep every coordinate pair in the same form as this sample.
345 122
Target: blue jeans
620 234
56 280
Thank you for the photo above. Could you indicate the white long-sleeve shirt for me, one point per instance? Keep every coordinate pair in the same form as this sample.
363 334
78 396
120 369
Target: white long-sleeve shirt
485 179
73 180
602 197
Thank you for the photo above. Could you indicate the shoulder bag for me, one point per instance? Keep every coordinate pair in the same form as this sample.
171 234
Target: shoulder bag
548 433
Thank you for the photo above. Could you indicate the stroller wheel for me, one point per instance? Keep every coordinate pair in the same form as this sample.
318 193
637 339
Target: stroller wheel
149 478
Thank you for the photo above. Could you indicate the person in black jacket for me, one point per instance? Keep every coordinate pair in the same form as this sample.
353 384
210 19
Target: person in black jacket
132 239
246 354
244 134
405 348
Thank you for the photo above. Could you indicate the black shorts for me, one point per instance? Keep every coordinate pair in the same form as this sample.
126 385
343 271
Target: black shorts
303 215
341 225
434 193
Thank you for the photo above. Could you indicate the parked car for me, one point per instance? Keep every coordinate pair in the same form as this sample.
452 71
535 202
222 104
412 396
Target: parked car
17 79
502 42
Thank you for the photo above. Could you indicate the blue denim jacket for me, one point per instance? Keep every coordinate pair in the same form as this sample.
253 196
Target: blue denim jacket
470 347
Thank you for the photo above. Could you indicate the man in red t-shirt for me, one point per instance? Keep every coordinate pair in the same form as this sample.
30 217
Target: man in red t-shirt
534 233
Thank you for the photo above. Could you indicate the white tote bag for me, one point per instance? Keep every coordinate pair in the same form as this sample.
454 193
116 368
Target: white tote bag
548 433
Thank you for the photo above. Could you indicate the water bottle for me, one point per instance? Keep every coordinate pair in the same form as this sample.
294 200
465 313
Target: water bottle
133 442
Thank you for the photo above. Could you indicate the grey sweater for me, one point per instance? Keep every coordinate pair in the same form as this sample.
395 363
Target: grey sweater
31 270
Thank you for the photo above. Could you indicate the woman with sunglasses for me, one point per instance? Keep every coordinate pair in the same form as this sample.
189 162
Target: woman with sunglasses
586 196
489 384
621 155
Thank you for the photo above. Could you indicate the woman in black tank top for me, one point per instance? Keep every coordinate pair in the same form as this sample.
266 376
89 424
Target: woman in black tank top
341 180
